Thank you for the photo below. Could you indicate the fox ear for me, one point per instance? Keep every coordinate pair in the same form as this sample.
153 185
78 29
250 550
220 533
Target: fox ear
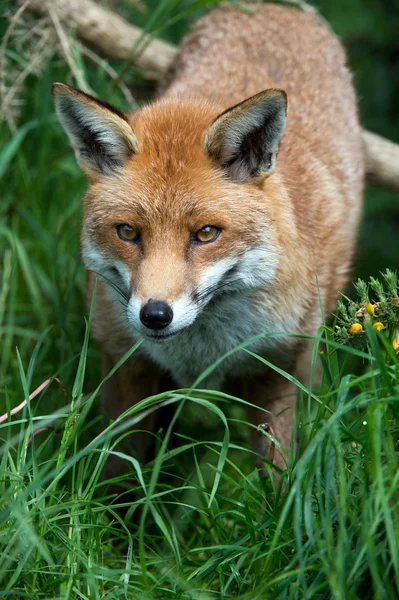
244 140
99 134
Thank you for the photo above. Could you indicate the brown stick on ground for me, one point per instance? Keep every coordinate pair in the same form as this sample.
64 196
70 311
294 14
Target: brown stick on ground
382 160
114 37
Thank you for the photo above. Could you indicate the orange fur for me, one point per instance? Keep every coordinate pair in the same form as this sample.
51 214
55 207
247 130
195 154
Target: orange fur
306 211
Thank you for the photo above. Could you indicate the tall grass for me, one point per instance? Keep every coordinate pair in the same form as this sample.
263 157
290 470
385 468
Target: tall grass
196 522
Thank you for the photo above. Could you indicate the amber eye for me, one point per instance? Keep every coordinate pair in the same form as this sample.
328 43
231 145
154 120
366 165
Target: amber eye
207 234
127 233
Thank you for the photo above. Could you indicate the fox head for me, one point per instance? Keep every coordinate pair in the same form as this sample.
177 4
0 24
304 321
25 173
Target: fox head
178 211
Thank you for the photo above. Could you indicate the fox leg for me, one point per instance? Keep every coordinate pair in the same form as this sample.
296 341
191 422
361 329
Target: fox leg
135 380
278 396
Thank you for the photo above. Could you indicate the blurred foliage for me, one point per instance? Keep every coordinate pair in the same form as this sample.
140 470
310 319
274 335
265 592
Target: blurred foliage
369 31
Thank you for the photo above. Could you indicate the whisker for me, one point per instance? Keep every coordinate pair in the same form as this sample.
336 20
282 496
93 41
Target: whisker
114 286
212 289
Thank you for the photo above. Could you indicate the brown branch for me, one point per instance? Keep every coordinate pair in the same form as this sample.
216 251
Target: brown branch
114 37
37 391
382 160
111 34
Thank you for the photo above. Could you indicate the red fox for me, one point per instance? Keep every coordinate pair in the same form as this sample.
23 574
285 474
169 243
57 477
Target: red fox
216 215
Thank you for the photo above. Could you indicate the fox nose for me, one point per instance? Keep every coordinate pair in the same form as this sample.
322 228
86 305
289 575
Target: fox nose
156 314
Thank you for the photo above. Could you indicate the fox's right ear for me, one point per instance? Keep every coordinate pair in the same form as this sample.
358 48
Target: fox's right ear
99 134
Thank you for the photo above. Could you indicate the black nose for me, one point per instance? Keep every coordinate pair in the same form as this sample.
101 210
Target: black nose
156 315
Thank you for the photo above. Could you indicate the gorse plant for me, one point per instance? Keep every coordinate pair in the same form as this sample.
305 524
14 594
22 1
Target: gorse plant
376 305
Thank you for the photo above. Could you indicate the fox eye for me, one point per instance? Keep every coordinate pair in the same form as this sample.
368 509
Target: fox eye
127 233
207 234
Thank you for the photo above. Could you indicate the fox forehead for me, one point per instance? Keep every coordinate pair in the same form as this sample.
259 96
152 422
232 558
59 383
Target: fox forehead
174 127
168 169
172 182
171 160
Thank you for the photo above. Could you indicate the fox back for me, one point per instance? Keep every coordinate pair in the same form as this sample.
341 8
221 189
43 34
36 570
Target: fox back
216 213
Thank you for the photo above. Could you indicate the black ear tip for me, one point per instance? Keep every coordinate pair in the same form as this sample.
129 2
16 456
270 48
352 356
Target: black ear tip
271 97
285 98
62 88
280 95
57 87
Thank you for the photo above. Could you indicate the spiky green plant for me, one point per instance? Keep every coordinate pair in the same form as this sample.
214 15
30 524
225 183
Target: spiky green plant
376 305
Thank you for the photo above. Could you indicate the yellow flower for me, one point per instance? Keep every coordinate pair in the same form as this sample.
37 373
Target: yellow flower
378 326
355 329
369 308
395 345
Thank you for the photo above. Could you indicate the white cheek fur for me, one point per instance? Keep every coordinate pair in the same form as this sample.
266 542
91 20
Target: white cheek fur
255 268
123 272
92 257
213 274
258 266
184 312
133 312
95 261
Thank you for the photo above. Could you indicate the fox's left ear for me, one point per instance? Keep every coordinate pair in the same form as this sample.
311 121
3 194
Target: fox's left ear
99 133
244 140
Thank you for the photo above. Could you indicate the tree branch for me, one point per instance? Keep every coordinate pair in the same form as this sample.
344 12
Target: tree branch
382 160
115 38
112 35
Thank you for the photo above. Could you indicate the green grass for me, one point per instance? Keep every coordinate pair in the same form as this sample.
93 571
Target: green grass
201 523
197 522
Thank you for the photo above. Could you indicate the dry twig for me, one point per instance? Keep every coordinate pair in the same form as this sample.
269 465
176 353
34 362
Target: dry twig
37 391
110 33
